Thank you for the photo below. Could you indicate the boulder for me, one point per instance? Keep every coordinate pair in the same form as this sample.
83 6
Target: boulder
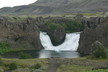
55 31
57 36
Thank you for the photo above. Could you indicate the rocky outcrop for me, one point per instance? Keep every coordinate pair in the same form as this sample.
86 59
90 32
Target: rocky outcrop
93 22
22 34
57 36
96 45
90 35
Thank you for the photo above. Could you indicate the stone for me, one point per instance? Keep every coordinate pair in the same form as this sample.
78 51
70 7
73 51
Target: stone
90 35
20 33
57 36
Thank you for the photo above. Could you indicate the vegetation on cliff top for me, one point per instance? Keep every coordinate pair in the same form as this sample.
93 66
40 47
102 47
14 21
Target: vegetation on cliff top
73 26
69 26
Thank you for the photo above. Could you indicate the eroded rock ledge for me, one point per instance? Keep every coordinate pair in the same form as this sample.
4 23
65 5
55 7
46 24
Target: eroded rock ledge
90 35
19 33
24 32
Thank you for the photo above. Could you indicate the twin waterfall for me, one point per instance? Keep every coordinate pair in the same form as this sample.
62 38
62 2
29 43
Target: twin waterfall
70 43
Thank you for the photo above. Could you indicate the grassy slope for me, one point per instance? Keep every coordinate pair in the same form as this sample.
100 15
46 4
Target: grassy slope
57 7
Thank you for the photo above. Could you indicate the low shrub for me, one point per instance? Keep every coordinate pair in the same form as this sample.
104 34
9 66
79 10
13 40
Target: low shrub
4 47
69 26
53 26
37 66
13 66
100 52
73 26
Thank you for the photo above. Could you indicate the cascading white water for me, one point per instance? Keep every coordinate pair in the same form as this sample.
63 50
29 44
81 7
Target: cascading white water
71 42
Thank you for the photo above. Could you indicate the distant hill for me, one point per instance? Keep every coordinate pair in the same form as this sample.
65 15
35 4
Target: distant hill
42 7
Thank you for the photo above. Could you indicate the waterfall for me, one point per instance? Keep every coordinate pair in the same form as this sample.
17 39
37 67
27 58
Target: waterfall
71 42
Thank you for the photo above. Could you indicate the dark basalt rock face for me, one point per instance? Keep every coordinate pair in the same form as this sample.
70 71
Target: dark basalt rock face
19 33
24 33
57 36
90 35
93 22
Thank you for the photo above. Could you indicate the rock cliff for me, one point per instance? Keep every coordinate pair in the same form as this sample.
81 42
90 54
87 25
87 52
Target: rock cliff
22 34
57 35
91 35
55 31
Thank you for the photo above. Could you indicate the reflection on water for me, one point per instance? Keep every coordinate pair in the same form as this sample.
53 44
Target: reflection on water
44 54
61 54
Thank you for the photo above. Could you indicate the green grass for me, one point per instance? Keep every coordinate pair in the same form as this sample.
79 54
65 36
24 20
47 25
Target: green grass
100 70
89 14
66 65
77 68
25 63
73 68
5 48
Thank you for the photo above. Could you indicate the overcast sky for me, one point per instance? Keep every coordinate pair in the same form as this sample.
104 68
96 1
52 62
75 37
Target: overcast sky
11 3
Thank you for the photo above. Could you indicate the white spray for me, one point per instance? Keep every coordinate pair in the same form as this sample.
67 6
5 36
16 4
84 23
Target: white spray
71 42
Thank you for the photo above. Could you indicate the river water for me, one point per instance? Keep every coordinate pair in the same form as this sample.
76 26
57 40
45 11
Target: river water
65 50
68 49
